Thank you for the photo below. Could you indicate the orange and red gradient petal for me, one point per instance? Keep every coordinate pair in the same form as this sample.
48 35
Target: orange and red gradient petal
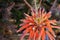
50 36
26 21
50 28
31 34
23 27
58 27
53 22
37 34
43 36
24 33
29 17
48 15
41 32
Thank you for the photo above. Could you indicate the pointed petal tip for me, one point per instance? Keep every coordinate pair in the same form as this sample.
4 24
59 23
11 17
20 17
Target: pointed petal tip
17 31
50 12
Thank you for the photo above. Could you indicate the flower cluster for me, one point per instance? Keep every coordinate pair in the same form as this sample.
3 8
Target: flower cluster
38 25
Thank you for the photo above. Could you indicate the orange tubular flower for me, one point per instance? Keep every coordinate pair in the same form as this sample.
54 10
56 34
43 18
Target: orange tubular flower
38 26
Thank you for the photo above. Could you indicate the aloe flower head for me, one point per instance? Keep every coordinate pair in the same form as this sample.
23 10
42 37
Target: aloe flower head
38 25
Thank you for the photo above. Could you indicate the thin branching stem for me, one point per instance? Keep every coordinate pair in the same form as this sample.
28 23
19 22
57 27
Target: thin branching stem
39 3
10 7
28 4
53 5
36 8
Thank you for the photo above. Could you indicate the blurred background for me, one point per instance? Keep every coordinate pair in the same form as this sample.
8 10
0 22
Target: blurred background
11 11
